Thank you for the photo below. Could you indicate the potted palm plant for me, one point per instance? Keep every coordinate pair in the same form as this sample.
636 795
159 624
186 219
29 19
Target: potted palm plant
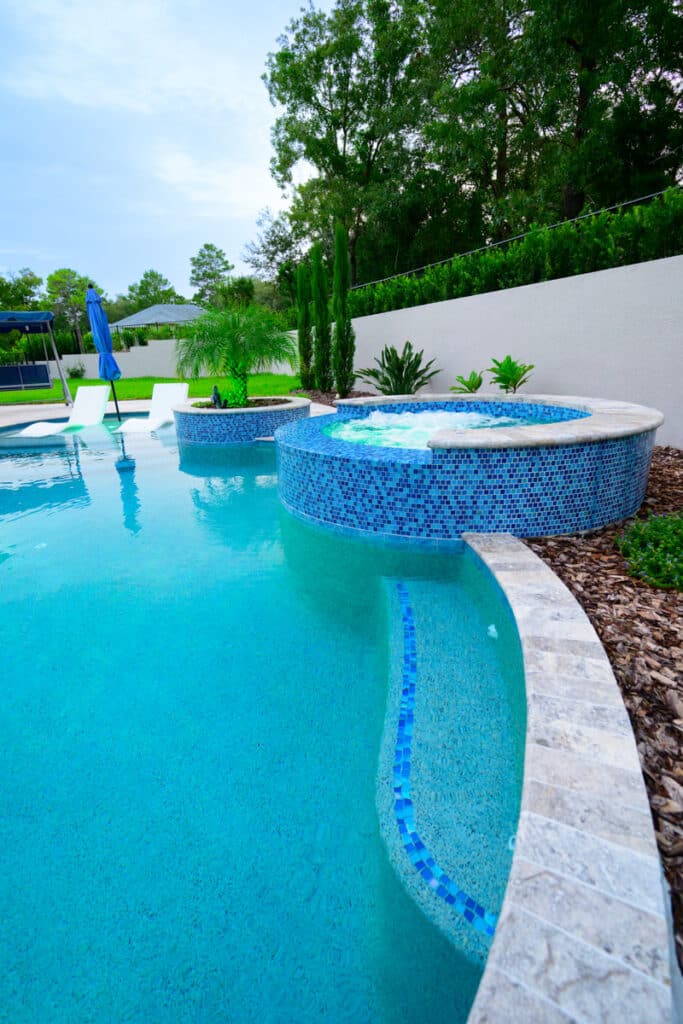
233 343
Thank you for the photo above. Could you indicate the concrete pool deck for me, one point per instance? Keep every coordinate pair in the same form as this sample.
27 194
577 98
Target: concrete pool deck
11 415
582 935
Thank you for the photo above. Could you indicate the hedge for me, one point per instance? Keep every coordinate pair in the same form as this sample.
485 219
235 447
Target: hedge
605 240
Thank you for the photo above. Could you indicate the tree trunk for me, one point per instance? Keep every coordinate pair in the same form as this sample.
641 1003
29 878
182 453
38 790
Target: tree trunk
79 339
574 196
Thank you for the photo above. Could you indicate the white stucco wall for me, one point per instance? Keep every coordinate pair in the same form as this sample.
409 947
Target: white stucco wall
157 359
613 334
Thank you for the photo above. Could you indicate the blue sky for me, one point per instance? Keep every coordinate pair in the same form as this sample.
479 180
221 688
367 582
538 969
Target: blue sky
131 132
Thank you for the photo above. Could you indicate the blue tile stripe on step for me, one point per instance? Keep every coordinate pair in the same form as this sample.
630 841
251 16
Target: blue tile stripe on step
420 857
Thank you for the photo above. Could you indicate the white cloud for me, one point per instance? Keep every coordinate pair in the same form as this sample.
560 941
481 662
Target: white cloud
128 55
221 189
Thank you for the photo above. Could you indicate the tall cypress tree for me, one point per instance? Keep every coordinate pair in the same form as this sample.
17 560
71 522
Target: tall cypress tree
322 354
344 337
304 333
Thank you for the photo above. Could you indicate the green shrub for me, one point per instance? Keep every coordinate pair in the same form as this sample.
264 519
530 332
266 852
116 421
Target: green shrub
653 549
468 385
399 374
509 375
13 348
76 372
605 240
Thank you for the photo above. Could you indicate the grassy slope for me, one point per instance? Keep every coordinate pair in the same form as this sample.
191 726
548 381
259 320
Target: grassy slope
141 387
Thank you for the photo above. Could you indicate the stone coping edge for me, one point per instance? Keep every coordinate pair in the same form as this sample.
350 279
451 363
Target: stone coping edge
582 934
290 403
607 420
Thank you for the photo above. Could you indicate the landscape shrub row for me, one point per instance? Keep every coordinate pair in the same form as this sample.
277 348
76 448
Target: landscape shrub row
605 240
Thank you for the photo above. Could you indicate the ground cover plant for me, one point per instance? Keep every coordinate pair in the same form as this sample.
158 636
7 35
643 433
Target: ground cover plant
653 549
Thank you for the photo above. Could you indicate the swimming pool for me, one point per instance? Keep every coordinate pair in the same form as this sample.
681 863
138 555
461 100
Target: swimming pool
200 720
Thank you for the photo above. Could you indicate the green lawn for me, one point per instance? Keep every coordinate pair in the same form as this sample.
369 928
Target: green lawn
141 387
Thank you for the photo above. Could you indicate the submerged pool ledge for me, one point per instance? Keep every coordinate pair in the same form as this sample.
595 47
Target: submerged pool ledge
582 934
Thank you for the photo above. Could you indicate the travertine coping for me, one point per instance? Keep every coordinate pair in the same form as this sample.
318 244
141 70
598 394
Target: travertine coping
283 403
606 421
582 934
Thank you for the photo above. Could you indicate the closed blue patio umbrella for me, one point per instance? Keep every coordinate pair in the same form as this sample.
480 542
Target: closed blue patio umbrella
101 335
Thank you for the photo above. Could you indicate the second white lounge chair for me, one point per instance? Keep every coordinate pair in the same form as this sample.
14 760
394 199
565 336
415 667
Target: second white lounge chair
89 407
164 397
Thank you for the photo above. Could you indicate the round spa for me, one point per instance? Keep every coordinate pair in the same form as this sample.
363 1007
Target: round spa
529 465
195 426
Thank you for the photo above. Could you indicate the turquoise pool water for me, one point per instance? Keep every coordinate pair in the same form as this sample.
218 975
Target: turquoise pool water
414 429
194 689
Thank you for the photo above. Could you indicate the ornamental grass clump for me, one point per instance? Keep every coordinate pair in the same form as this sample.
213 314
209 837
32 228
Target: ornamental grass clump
233 343
653 549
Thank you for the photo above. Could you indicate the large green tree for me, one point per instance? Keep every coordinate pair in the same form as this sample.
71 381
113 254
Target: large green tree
612 99
20 291
433 127
152 289
66 290
210 274
345 81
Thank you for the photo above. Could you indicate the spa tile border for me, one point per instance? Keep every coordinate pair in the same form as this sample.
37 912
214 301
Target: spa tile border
582 934
419 855
565 476
599 419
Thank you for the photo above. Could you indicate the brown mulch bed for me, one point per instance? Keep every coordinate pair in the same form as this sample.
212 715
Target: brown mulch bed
641 628
329 397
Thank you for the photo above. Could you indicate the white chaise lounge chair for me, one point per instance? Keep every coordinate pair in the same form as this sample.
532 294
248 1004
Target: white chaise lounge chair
88 409
164 397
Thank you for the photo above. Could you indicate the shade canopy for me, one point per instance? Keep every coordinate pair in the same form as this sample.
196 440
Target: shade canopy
101 336
35 322
162 313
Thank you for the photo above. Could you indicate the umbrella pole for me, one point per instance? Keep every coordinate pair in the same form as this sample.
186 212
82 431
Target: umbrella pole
116 401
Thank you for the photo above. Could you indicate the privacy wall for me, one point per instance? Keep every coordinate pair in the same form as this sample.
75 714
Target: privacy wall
614 334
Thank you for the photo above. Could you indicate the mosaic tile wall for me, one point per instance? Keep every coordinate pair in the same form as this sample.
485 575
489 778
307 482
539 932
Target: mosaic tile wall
235 428
442 884
438 495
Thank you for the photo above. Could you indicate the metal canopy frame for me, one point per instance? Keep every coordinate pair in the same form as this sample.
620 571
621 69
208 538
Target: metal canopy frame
36 322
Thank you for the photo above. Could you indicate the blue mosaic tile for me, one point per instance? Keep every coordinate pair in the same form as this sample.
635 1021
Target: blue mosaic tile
436 495
237 428
420 857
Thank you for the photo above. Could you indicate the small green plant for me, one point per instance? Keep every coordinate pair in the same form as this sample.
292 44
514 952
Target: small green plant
509 375
76 372
399 374
653 549
468 385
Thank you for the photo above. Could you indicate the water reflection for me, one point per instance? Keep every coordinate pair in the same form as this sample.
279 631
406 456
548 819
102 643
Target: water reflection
52 478
125 467
229 476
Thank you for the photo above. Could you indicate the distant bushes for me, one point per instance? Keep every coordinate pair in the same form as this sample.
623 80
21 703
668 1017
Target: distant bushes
605 240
